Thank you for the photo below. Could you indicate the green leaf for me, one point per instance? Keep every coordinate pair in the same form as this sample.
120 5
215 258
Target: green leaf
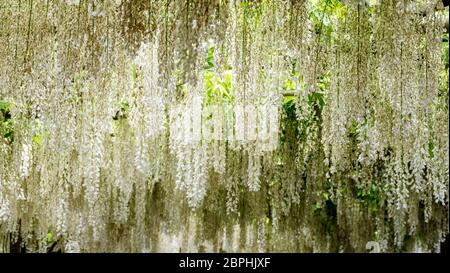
430 150
37 139
49 237
5 106
133 73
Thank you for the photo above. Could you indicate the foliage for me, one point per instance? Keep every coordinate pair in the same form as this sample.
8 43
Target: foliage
313 126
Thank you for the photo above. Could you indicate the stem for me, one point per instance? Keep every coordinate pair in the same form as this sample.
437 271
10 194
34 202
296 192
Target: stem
17 31
401 98
291 7
187 19
426 69
78 19
359 53
186 63
166 19
149 12
92 35
28 31
1 25
338 60
318 48
107 38
244 33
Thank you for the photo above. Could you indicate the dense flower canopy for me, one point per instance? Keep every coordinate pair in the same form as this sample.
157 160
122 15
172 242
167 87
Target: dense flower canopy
213 125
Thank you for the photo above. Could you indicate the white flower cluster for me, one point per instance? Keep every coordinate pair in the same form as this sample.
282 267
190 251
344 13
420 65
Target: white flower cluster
122 129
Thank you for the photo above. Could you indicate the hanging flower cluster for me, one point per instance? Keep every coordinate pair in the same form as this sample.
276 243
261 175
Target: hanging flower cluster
196 125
